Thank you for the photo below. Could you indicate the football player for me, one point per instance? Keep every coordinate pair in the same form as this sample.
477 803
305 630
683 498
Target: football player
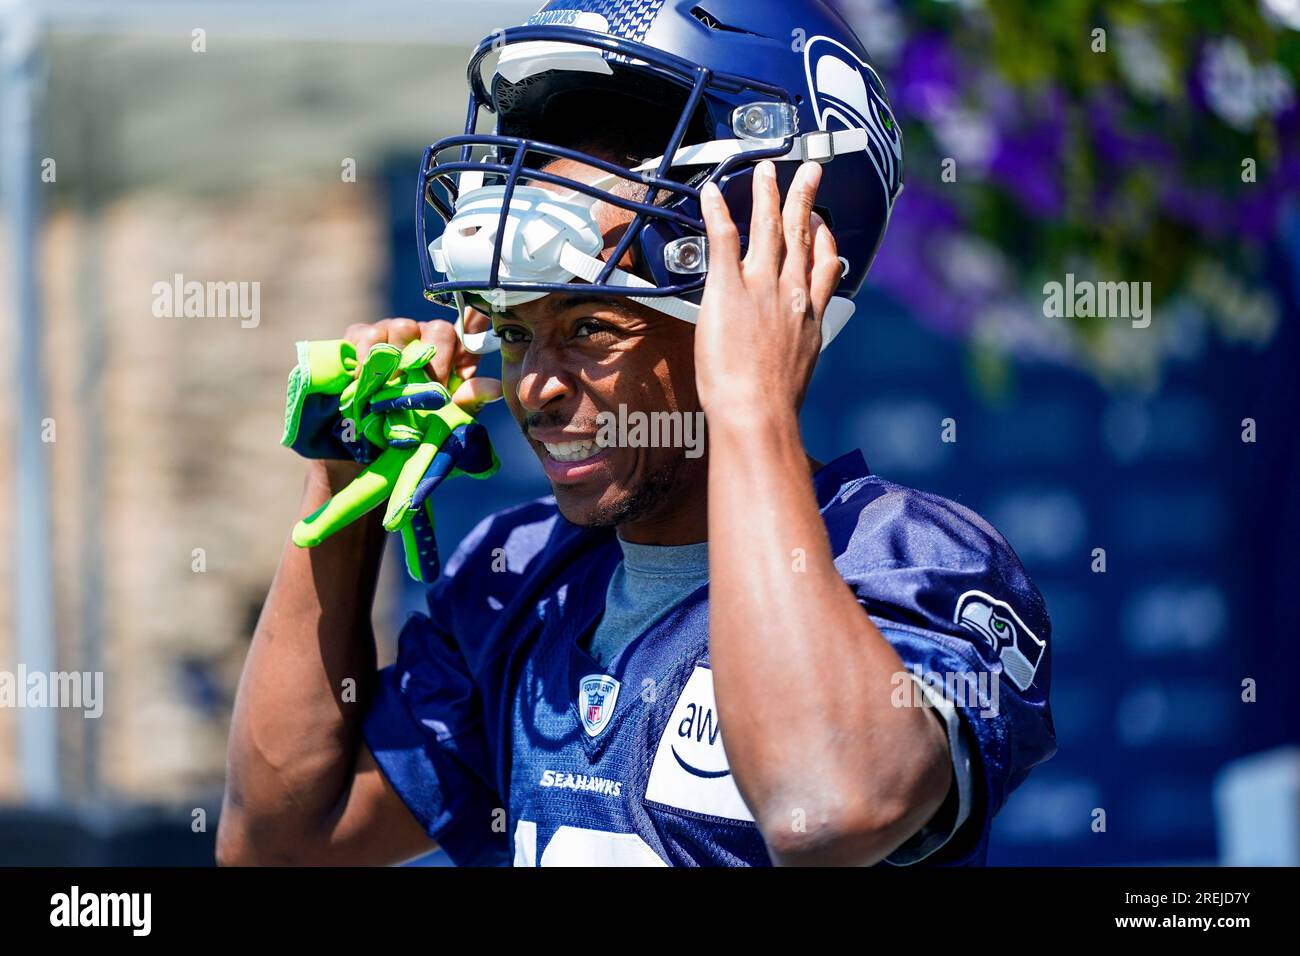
716 654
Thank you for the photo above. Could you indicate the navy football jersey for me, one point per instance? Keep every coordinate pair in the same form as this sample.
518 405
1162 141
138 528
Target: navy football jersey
509 743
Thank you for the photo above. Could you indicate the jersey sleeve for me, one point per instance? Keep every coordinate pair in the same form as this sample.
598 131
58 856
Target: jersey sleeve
956 808
425 729
972 631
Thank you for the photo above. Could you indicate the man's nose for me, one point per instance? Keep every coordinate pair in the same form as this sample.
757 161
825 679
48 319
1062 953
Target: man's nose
543 380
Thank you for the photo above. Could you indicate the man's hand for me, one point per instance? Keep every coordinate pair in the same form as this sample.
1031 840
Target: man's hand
759 329
453 367
413 437
451 359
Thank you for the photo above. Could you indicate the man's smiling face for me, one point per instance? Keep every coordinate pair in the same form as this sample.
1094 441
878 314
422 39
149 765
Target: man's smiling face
568 358
565 360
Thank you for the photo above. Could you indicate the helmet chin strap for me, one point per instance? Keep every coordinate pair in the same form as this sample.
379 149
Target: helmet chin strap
820 146
552 236
476 343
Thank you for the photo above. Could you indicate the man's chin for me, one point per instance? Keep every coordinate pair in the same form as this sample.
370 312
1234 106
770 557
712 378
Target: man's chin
585 509
614 505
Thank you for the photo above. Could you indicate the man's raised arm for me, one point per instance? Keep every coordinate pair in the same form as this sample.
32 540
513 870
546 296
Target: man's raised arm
301 786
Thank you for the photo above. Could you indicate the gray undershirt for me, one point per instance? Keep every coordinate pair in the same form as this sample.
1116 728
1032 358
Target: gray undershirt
649 582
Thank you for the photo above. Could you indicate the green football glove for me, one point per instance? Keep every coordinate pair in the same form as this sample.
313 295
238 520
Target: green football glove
385 411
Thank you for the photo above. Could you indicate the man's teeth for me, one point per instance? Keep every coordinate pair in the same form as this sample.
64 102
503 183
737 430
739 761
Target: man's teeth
571 450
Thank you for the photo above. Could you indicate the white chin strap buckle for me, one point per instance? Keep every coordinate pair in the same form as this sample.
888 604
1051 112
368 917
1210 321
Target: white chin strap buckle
476 343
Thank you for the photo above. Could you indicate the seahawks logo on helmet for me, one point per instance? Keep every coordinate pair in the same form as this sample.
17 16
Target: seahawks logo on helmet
1007 636
847 93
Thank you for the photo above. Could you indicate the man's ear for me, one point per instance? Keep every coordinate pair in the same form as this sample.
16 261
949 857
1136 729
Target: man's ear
631 258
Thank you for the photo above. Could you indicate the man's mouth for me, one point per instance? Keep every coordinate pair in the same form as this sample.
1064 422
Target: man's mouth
572 450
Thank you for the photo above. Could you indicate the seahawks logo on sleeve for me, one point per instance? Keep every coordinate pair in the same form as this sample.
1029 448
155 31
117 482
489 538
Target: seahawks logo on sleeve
1006 634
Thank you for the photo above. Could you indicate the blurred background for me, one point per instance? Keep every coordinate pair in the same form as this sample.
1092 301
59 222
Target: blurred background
1147 477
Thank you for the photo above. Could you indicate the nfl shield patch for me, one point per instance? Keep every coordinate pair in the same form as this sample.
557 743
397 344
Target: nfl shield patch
597 694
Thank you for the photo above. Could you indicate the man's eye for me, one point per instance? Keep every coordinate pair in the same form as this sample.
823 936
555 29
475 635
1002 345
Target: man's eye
590 327
510 335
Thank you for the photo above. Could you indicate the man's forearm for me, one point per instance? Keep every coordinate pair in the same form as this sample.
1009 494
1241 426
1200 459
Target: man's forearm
802 675
294 738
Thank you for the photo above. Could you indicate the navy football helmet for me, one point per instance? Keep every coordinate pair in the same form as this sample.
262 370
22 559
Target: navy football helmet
728 82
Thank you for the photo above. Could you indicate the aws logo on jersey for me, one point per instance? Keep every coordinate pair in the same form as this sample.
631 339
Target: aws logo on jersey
597 695
690 769
847 93
1000 626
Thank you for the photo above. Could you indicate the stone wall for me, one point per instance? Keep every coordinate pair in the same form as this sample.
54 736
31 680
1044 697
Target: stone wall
166 441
